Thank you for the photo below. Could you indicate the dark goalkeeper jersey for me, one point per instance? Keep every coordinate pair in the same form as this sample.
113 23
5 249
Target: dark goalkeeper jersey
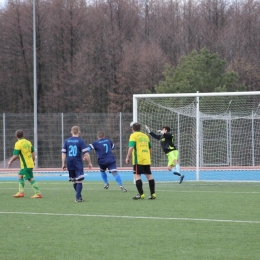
74 147
103 148
166 140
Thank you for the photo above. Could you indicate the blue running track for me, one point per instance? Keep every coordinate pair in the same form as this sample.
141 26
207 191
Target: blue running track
205 175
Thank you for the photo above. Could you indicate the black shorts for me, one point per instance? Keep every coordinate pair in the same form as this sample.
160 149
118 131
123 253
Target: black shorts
142 169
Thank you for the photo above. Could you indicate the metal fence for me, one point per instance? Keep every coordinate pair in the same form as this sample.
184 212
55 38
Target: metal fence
223 142
53 129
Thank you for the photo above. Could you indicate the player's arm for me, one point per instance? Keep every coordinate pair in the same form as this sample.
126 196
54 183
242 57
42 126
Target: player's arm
16 153
130 150
90 147
33 156
14 157
158 137
112 145
86 157
33 153
63 159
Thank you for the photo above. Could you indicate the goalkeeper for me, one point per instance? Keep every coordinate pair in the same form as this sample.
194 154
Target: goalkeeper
167 143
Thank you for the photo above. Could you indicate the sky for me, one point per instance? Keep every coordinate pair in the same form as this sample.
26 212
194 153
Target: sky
2 3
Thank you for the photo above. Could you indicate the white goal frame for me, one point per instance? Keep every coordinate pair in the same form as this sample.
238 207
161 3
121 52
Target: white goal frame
197 96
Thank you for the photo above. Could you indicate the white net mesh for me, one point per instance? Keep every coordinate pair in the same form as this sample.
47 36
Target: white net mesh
229 128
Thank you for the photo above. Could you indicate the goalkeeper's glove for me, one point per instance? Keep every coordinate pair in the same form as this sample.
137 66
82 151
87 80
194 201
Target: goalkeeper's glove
160 132
147 129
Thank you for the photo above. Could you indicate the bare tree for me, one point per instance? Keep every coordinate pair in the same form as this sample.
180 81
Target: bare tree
93 55
16 52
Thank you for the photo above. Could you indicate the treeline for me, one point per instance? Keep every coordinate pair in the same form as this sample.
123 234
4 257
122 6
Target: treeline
93 55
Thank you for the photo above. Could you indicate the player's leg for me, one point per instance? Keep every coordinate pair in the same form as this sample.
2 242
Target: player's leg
20 193
171 164
137 171
102 169
173 161
176 162
29 176
72 178
34 185
113 170
79 181
79 187
74 184
149 176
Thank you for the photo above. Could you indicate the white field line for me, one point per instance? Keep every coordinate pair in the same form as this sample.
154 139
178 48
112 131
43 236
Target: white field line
133 217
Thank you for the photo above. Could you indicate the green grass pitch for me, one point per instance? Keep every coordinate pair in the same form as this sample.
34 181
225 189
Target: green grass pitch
194 220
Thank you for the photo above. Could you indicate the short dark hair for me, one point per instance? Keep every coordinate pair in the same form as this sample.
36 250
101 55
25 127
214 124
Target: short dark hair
19 133
167 128
136 127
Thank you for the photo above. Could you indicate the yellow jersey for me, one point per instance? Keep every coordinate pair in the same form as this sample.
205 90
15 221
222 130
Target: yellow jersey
24 149
142 145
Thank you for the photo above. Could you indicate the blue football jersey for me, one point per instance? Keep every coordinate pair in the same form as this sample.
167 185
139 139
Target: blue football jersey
74 147
103 148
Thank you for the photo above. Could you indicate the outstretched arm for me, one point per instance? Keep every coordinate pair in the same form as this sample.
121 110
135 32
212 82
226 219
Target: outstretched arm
158 137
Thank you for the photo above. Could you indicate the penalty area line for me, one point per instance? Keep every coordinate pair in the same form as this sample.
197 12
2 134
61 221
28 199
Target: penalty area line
134 217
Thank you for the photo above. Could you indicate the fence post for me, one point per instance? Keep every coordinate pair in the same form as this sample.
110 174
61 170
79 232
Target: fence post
197 137
253 140
120 138
62 130
178 142
230 138
4 141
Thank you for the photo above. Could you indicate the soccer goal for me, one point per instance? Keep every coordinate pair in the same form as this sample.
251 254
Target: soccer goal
217 134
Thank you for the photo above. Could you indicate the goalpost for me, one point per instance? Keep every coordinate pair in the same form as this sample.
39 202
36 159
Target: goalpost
217 132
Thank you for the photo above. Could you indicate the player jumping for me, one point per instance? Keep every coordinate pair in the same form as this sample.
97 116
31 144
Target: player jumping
167 143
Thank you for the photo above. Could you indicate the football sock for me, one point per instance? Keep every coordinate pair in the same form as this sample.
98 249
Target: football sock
104 177
117 178
178 168
21 185
35 187
78 191
75 186
152 186
139 186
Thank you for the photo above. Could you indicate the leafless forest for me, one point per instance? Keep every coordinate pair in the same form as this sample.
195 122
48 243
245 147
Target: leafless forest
93 55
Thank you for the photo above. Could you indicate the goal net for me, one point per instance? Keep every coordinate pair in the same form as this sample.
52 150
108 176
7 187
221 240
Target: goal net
217 134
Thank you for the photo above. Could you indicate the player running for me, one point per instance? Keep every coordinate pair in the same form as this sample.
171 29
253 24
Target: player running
106 159
167 143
